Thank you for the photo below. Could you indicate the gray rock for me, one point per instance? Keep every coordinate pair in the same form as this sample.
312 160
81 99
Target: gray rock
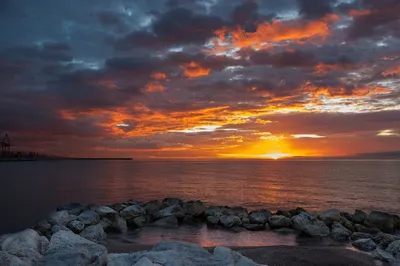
44 244
284 213
382 255
254 227
173 201
347 216
330 216
245 220
230 221
10 260
132 212
381 220
137 222
279 221
212 220
118 206
72 208
259 216
167 222
89 218
154 206
394 248
360 235
76 226
346 223
25 245
42 227
227 256
60 218
216 211
194 208
363 229
109 213
145 262
384 239
56 228
297 211
95 233
339 232
309 225
122 226
174 210
359 216
239 212
364 244
69 249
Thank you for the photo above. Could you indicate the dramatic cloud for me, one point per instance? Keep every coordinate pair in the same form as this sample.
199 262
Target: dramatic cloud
213 78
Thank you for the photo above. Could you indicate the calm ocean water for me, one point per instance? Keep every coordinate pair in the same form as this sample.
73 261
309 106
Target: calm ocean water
30 190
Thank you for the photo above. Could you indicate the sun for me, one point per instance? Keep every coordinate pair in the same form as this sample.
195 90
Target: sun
277 155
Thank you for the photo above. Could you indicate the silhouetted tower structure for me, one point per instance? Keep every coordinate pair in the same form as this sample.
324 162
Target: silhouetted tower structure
6 145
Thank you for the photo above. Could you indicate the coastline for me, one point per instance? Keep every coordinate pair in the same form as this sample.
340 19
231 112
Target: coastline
375 233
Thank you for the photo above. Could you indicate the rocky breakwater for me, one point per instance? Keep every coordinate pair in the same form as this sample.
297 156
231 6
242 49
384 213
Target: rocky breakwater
373 232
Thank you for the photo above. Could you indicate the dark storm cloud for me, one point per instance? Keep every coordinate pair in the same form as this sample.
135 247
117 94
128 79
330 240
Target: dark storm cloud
314 9
284 59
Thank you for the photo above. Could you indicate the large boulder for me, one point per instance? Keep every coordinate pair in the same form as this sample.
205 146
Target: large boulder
26 245
173 201
394 248
60 218
194 208
67 248
42 227
216 211
346 223
227 256
76 226
132 212
359 217
339 232
360 235
11 260
364 244
212 220
384 239
230 221
118 206
56 228
330 216
89 218
239 212
95 233
310 225
279 221
284 213
363 229
382 255
107 212
259 216
381 220
154 206
297 211
174 210
72 208
167 222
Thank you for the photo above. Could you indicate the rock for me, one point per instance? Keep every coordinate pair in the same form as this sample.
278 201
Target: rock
174 210
145 262
381 220
76 226
296 211
212 220
57 228
285 231
122 226
347 216
245 220
26 245
230 221
259 216
95 233
216 211
137 222
104 211
360 235
90 207
254 227
154 206
134 202
167 222
363 229
226 256
384 239
132 212
72 208
89 218
394 248
364 244
346 223
284 213
339 232
396 220
309 225
239 212
60 218
382 255
330 216
194 208
278 221
44 244
10 260
67 248
359 217
172 201
42 227
118 206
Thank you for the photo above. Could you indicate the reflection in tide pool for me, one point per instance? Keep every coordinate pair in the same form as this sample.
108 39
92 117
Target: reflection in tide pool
207 237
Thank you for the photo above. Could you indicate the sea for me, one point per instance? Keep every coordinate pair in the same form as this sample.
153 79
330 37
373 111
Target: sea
31 190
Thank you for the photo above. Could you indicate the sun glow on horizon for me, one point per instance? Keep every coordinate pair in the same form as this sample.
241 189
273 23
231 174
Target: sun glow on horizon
277 155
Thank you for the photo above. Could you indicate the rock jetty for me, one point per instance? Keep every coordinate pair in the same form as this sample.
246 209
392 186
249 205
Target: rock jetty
76 234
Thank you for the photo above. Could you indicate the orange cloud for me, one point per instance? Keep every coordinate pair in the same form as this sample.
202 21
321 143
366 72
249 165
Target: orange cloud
159 76
193 70
154 87
392 71
322 68
358 13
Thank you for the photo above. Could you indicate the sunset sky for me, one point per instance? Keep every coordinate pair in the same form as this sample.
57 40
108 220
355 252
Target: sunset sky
200 78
